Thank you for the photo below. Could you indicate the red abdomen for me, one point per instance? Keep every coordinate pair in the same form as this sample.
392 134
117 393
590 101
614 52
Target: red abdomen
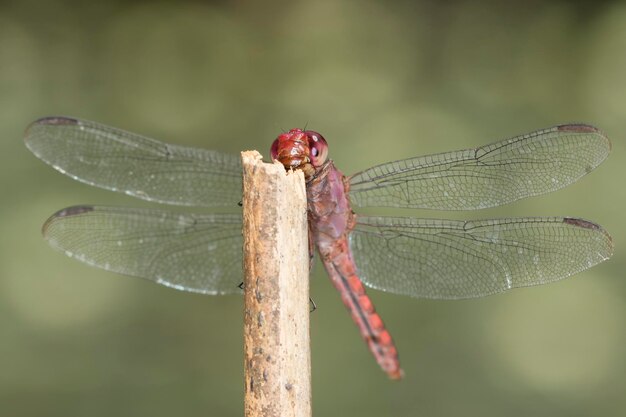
330 222
342 272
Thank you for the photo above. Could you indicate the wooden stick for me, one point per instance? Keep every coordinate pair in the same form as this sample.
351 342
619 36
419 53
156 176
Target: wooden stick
277 361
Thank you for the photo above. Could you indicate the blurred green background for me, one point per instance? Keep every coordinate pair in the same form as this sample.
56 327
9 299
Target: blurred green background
382 81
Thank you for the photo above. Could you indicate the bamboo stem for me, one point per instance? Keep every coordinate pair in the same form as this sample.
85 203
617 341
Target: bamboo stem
277 362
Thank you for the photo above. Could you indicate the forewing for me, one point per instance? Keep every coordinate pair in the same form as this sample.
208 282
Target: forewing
145 168
192 252
449 259
495 174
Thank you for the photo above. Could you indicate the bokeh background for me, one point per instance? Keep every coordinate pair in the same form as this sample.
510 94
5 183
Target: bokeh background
382 81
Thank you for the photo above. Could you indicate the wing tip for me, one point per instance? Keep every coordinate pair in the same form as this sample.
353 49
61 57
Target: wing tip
586 224
578 127
50 121
57 120
584 128
66 212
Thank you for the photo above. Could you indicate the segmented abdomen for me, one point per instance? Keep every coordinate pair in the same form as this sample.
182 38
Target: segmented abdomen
343 275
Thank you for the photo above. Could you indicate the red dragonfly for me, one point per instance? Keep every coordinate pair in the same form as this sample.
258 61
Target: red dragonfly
430 258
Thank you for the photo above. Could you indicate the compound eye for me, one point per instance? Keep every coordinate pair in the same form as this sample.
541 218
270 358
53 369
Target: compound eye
318 148
274 150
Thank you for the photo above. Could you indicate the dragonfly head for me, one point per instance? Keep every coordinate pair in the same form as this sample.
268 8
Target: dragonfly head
300 149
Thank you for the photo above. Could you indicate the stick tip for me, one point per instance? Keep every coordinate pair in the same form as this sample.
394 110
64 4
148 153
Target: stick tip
251 157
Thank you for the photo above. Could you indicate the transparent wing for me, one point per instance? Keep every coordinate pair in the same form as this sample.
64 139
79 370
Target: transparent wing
145 168
450 259
192 252
495 174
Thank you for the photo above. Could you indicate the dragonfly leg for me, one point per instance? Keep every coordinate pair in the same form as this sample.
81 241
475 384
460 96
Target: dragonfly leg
311 251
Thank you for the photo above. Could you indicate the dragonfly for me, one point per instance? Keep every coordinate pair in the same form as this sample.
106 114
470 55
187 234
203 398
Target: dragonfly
417 257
